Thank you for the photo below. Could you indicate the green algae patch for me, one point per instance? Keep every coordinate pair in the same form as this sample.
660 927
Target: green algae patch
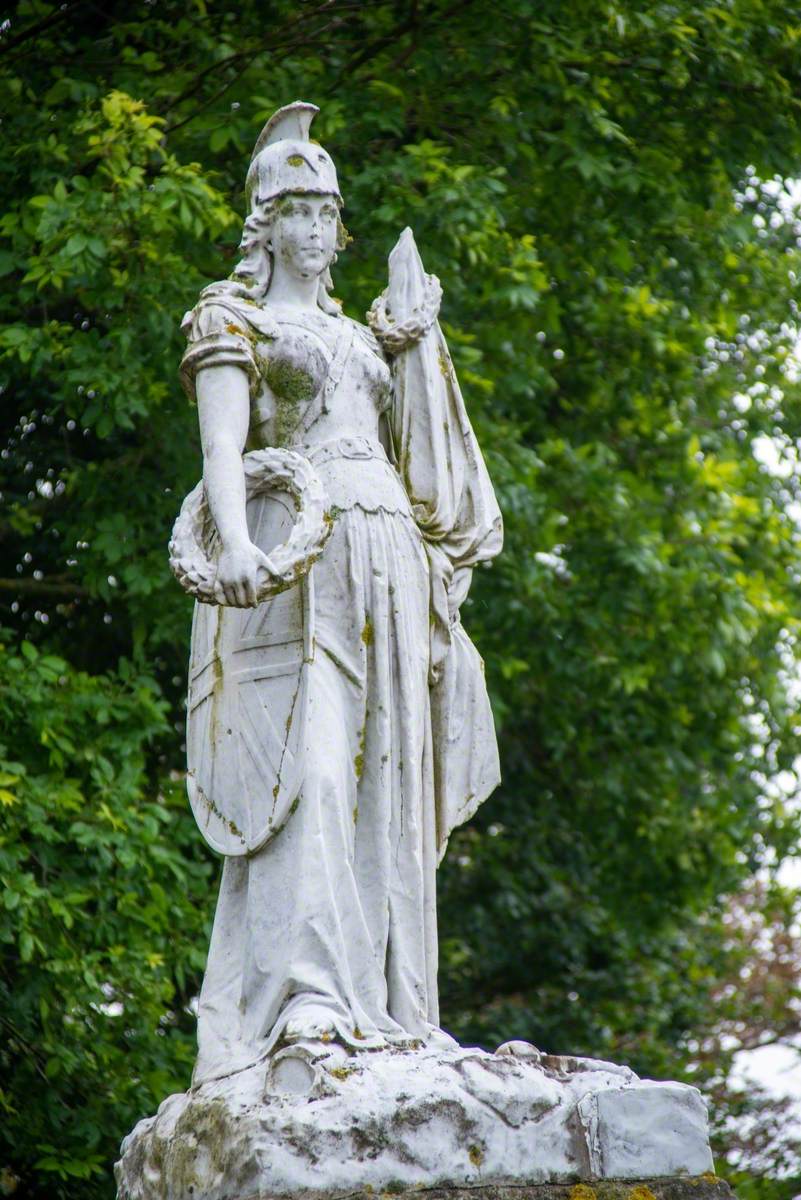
582 1191
330 515
358 762
341 1072
292 388
202 1123
641 1192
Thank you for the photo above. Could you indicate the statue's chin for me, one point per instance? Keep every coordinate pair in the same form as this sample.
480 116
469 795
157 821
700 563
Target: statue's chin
309 266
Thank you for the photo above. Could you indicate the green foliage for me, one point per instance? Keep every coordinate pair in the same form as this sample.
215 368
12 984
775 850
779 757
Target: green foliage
620 289
103 917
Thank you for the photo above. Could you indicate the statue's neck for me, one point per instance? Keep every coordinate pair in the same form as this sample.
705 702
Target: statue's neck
293 291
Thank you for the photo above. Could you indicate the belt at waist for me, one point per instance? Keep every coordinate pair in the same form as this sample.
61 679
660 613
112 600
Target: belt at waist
373 485
352 447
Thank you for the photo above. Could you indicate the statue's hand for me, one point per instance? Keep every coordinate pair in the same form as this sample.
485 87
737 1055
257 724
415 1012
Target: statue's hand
238 574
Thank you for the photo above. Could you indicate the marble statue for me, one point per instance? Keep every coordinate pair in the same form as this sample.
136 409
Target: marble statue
338 730
318 708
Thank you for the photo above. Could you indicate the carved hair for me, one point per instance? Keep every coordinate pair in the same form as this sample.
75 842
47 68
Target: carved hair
252 274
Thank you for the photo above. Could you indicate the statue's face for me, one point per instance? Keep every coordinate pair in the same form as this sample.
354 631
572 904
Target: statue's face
304 234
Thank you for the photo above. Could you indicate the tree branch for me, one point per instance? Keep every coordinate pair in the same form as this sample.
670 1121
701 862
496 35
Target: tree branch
44 587
47 23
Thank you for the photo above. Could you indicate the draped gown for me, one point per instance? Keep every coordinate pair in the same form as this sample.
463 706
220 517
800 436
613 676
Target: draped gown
329 930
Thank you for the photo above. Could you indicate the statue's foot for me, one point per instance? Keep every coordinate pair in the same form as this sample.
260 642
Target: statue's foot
438 1039
312 1024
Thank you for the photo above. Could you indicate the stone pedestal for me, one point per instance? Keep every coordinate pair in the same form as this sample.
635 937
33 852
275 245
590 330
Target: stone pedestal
688 1187
308 1125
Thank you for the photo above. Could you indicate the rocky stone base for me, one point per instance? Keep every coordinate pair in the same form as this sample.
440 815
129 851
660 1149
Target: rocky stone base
690 1187
318 1122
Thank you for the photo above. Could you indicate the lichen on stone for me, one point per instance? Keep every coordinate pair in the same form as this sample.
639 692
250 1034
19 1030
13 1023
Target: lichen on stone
581 1191
291 388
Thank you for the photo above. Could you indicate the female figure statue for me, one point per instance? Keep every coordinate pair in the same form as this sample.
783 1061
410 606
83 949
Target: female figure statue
338 728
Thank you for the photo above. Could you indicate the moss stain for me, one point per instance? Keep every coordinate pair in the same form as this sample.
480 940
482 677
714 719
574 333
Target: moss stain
581 1191
341 1072
476 1155
216 666
358 762
368 633
641 1191
329 517
291 388
212 807
288 728
204 1123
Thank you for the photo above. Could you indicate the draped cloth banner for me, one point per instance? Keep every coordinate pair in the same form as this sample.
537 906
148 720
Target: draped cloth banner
445 477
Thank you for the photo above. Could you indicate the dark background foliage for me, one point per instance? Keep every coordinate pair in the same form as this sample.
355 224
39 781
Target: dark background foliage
597 184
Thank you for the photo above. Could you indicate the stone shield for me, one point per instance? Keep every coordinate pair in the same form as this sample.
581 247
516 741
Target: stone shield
247 701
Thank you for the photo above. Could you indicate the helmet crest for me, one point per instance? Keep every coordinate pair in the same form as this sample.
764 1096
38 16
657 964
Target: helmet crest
285 160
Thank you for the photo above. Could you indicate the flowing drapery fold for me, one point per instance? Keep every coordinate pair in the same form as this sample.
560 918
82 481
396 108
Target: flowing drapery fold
454 505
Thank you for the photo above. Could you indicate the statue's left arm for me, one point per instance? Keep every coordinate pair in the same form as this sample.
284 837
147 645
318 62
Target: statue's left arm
446 479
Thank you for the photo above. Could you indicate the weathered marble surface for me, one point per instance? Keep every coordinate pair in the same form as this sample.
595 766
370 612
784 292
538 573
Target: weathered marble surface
687 1187
338 730
338 721
333 1124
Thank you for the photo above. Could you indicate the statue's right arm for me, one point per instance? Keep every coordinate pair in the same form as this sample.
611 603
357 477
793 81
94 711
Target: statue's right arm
224 411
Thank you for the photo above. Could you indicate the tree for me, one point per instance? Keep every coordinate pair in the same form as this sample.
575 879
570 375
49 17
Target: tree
619 298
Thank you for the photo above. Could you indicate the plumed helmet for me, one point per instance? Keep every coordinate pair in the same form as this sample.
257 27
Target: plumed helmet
285 160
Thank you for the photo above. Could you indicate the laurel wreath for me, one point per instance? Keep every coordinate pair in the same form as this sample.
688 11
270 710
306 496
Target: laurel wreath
397 336
195 542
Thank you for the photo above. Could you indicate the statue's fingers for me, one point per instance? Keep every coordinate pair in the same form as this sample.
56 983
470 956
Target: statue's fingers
265 561
250 591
